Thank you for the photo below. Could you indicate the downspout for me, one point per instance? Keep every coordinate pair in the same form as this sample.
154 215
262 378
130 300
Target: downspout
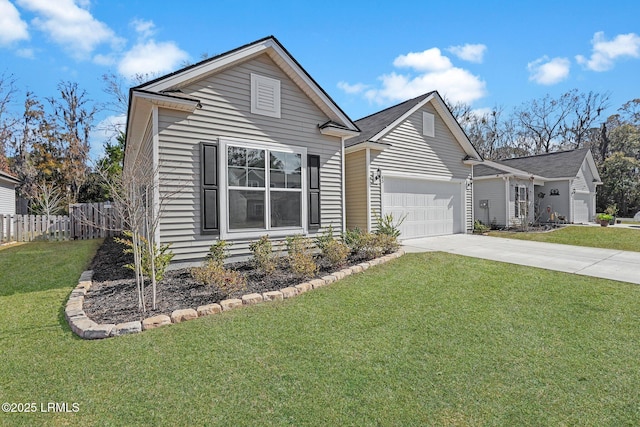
368 182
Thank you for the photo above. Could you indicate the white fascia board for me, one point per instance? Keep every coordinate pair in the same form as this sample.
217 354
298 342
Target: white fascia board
197 72
339 132
367 144
515 172
594 169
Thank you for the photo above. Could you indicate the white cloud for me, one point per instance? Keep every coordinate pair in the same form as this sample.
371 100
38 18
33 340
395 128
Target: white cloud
352 89
151 57
12 27
604 52
103 132
430 70
71 26
547 71
428 60
26 53
145 29
469 52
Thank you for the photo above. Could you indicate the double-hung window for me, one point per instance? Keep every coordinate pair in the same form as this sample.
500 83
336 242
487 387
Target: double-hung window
264 189
521 202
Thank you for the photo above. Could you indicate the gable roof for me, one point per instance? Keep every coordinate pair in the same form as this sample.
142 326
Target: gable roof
561 164
173 82
375 126
548 166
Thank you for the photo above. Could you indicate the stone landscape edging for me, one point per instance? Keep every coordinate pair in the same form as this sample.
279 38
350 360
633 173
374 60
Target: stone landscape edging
86 328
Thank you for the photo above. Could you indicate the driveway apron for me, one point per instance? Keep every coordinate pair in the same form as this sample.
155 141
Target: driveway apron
604 263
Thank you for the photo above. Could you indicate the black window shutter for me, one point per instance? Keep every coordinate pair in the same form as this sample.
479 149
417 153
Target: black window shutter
313 166
209 194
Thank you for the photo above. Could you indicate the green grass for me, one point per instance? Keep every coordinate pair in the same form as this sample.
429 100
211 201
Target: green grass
429 339
625 239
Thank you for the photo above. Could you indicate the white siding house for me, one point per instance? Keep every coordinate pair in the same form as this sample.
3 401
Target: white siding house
245 144
8 194
559 186
413 161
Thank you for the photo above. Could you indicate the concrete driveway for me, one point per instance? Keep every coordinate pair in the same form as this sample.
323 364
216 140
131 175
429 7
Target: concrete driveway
605 263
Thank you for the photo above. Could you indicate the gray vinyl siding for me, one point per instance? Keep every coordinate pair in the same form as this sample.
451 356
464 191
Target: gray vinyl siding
493 191
584 179
356 190
226 112
411 152
560 204
7 198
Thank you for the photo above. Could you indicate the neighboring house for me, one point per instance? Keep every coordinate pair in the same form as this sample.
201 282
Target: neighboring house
413 161
8 185
246 144
557 186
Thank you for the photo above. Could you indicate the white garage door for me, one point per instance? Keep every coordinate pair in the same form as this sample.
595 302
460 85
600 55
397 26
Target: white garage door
429 208
581 209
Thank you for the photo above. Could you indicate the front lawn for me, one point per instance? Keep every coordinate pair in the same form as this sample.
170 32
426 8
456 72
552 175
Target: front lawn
625 239
428 339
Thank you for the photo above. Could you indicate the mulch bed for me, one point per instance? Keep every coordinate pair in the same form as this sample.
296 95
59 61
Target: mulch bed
113 298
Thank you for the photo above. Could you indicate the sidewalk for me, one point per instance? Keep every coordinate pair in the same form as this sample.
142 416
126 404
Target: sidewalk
604 263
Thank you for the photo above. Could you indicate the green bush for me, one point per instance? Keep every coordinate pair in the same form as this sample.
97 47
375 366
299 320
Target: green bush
354 239
386 224
218 251
263 257
214 274
162 255
335 253
387 243
479 227
300 258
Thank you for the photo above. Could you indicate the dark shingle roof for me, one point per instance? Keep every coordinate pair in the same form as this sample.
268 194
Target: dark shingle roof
373 124
562 164
486 170
9 177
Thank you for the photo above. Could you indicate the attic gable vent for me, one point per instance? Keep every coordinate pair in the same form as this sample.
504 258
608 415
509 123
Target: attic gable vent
428 125
265 96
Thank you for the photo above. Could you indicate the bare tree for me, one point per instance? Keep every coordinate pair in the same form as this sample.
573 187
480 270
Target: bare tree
49 201
7 122
586 109
73 117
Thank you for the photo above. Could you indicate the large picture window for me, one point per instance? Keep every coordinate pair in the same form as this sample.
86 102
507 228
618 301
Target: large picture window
264 188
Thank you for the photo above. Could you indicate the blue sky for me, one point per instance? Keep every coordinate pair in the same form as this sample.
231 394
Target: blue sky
366 55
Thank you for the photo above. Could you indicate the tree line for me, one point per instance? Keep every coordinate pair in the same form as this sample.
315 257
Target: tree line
570 121
47 145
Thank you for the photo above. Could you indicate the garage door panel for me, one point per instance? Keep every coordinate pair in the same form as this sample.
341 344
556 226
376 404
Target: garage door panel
429 208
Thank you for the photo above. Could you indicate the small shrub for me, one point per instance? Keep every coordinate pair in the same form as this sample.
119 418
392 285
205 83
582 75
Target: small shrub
321 240
218 251
263 256
387 244
371 248
386 224
301 261
162 255
479 227
354 239
335 253
214 274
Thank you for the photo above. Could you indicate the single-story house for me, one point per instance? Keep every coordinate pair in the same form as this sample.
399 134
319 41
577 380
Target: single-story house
558 186
414 161
245 144
8 185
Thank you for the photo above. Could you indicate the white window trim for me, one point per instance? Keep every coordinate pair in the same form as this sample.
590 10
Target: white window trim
225 232
519 202
273 84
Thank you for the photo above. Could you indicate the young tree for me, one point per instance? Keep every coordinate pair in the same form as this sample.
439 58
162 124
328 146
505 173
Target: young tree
7 121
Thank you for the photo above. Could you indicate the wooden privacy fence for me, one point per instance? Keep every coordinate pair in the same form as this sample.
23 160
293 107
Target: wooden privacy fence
85 221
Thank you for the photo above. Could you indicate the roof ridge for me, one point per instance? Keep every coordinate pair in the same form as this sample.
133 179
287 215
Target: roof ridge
424 95
544 154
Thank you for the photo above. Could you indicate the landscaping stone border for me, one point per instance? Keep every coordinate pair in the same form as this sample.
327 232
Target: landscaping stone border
87 329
